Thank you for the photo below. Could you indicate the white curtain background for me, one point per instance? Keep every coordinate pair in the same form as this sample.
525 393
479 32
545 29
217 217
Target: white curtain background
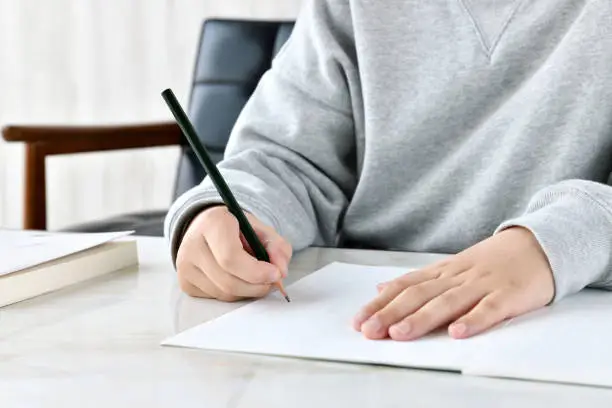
95 62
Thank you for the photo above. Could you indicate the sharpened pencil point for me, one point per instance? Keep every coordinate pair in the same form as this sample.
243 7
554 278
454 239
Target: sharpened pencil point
287 299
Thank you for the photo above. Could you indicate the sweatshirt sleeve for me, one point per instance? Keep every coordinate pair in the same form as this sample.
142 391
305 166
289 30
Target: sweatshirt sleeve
572 221
291 156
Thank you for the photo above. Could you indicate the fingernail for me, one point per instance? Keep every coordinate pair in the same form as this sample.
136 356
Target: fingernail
458 330
404 328
373 325
359 319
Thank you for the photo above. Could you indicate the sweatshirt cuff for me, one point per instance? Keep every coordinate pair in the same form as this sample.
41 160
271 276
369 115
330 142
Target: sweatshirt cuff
194 202
567 225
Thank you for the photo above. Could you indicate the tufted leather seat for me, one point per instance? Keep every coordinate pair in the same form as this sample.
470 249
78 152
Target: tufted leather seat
232 57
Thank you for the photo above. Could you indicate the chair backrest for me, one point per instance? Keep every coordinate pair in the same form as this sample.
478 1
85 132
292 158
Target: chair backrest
232 57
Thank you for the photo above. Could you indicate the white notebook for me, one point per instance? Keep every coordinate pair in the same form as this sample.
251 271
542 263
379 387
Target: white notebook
567 342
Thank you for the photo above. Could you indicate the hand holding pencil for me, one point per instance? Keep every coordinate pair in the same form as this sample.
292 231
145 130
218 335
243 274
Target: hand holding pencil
215 261
232 255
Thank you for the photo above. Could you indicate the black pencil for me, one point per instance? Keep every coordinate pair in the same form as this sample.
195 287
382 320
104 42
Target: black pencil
224 191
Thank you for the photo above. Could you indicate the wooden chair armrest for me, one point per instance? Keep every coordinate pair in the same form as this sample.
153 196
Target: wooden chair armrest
80 139
43 141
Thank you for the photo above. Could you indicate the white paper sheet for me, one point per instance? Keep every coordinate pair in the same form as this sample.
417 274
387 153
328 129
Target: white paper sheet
20 249
569 342
317 325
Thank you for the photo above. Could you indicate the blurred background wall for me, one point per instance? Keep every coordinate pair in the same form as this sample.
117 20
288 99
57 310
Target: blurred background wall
98 62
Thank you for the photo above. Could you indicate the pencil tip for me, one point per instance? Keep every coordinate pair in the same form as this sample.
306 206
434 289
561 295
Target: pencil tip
287 299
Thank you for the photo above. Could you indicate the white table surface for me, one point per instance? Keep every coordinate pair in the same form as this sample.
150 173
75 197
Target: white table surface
97 345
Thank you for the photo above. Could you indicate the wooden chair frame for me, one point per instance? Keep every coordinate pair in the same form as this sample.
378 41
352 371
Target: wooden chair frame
43 141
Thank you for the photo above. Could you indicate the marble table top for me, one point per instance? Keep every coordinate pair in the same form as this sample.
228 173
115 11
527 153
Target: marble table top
97 345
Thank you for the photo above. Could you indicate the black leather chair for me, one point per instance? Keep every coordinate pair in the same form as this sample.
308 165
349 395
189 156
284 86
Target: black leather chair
232 56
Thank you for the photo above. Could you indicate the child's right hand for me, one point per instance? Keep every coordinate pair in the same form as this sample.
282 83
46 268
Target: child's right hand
215 261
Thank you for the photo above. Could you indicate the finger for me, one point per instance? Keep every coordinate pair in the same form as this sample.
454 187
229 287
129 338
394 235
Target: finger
223 238
279 254
186 270
391 290
227 283
192 290
491 310
246 245
276 250
196 284
406 303
444 268
381 286
441 310
271 239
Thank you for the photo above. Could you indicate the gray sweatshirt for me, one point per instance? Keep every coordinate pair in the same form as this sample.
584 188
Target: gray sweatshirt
428 126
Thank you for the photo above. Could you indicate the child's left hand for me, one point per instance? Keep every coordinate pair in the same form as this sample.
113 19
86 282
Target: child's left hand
501 277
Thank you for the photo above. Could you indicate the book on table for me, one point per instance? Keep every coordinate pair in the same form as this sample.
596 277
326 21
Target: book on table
33 263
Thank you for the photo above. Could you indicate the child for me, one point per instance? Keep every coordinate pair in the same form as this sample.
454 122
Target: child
477 128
